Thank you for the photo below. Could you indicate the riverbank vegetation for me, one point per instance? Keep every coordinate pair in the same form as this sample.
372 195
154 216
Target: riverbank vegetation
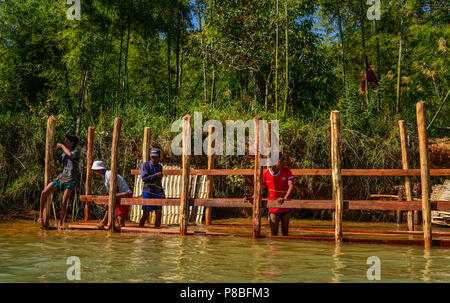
152 62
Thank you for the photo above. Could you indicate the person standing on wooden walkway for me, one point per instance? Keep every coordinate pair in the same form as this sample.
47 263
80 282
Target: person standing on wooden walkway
151 174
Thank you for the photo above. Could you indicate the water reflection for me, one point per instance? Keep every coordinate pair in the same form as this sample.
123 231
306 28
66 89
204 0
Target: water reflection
337 270
426 272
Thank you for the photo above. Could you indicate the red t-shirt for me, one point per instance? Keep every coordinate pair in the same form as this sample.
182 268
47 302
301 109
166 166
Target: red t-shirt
277 186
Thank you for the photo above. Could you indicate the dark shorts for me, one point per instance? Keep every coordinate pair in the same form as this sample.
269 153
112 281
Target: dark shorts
62 186
151 207
280 215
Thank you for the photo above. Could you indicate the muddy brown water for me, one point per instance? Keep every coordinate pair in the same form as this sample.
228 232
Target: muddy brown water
28 254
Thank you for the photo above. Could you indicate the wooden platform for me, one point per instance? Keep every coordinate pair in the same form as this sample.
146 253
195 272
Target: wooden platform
299 233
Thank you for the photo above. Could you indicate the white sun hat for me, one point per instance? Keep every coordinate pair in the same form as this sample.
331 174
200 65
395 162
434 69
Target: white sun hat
97 165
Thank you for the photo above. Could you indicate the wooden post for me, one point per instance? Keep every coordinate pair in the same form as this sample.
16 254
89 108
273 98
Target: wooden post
336 175
424 173
89 161
269 143
209 180
49 151
405 165
114 166
186 159
256 220
145 144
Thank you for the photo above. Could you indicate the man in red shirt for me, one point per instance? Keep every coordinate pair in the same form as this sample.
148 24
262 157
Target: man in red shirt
279 182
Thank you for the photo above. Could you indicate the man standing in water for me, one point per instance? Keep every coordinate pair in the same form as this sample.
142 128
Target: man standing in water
65 181
279 181
123 191
151 174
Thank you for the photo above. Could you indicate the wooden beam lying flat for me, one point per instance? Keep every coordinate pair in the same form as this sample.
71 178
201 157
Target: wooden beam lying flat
292 203
309 172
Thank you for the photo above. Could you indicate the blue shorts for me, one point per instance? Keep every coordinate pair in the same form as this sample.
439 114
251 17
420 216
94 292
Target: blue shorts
151 207
280 215
62 186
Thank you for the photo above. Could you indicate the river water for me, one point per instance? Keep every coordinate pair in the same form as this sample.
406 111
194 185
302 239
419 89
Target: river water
28 254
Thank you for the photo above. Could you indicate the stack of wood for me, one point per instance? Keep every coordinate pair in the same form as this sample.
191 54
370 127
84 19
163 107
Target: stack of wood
441 192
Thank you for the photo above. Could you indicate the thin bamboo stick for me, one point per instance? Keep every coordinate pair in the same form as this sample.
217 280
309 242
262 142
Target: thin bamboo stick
114 166
89 161
425 173
336 176
405 165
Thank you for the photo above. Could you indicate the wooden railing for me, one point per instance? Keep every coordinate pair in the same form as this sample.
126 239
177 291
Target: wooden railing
257 203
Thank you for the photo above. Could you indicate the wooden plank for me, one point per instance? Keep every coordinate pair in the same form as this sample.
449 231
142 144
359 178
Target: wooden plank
113 182
405 165
291 203
425 173
186 159
338 190
209 180
49 152
89 161
311 172
256 214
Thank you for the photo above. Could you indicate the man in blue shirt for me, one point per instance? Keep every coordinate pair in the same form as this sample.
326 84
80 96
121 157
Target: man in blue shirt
151 174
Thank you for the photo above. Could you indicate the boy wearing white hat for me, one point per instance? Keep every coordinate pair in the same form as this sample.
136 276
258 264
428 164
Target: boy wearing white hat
123 191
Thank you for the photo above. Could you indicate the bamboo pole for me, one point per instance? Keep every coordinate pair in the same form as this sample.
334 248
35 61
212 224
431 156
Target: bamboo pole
49 151
145 145
184 199
336 176
89 160
209 180
269 138
425 173
114 166
256 220
405 165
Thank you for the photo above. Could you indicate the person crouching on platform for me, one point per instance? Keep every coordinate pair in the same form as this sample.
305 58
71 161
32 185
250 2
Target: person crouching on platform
123 191
151 174
279 181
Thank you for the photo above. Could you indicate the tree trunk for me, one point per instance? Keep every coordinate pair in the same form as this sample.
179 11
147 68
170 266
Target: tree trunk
81 102
169 82
266 93
213 87
276 66
341 37
287 58
120 59
205 88
399 67
177 60
125 72
378 63
364 48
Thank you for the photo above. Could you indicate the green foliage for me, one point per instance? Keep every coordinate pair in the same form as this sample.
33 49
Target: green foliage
125 47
